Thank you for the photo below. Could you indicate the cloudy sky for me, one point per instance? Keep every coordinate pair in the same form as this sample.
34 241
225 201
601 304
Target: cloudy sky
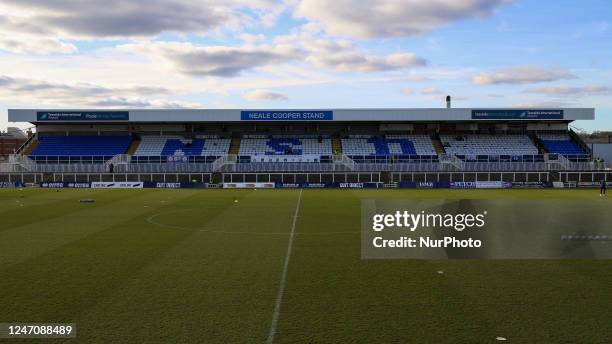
306 54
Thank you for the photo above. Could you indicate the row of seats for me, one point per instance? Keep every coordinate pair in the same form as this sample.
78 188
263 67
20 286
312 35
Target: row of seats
82 145
560 143
472 145
176 145
389 145
285 146
293 145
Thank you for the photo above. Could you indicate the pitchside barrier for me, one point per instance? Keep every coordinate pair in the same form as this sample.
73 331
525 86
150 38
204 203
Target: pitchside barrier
369 185
12 185
419 180
329 185
290 178
319 177
458 185
121 185
107 177
488 176
269 167
248 185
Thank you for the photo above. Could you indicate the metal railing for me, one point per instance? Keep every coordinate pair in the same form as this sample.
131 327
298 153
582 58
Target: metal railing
223 161
345 161
231 163
358 159
13 167
27 143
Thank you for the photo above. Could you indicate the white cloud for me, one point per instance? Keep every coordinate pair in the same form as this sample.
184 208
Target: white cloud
431 90
130 18
222 61
522 75
322 50
541 104
355 61
572 90
28 44
408 91
116 68
137 102
42 27
435 94
28 38
85 94
391 18
252 38
417 78
261 94
307 45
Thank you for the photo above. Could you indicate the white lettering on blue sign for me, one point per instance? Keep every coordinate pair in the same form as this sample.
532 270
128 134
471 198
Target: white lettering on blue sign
286 115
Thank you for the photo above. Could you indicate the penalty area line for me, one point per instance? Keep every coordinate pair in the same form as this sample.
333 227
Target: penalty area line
281 288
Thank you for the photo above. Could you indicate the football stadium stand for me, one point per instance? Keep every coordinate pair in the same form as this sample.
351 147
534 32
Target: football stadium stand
560 143
82 145
366 145
480 144
153 145
177 145
311 147
254 145
298 146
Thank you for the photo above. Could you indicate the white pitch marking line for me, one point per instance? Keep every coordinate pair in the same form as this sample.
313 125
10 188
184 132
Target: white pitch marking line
281 289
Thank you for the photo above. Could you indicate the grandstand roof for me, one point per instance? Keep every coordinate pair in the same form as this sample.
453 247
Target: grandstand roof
257 115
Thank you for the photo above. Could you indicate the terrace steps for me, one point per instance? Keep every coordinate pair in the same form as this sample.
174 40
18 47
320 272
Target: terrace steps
27 150
234 145
578 140
537 143
336 144
134 146
438 146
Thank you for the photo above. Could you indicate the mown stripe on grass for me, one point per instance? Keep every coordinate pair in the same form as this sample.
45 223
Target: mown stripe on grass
26 241
66 202
207 288
16 202
333 295
283 279
60 283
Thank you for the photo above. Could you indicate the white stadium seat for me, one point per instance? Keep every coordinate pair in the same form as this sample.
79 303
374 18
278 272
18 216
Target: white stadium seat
362 145
277 145
151 145
482 144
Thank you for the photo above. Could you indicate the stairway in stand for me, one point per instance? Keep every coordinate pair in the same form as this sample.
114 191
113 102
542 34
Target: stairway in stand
536 142
435 140
234 145
336 144
134 146
27 151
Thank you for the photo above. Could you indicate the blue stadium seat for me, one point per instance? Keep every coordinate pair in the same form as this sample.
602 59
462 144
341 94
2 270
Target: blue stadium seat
382 146
284 145
390 145
308 145
565 147
174 146
82 145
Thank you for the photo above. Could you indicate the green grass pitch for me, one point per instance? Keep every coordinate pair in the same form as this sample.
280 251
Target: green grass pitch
193 266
